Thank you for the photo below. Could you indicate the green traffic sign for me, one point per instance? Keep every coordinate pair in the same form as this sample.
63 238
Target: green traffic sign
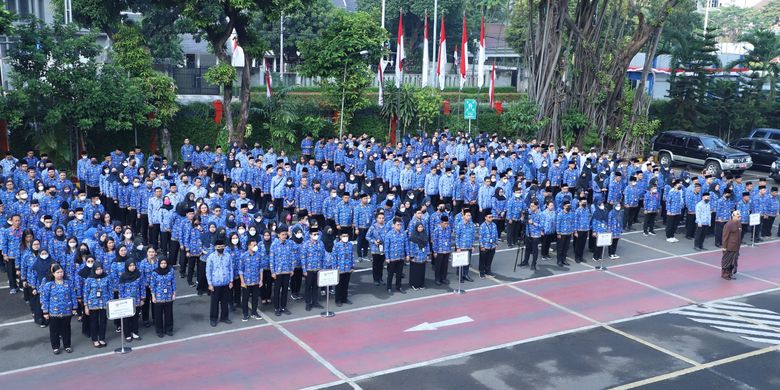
470 109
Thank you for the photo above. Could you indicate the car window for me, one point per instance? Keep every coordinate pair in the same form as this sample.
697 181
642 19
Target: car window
664 139
774 136
678 141
713 143
694 143
744 143
760 146
775 147
759 134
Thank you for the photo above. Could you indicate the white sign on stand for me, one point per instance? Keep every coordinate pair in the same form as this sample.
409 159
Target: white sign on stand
120 308
460 259
328 277
755 219
604 239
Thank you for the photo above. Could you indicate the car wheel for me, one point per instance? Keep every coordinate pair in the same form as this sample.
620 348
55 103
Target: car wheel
665 159
712 168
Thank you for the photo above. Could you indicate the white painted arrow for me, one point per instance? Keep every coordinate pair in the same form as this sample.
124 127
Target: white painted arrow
440 324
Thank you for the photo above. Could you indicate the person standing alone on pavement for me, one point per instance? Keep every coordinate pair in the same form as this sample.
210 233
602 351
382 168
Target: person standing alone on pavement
703 220
219 275
732 239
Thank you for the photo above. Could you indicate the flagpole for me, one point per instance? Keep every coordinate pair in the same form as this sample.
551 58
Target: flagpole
435 31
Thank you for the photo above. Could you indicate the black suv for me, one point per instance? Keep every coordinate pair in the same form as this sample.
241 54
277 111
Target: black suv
763 151
699 149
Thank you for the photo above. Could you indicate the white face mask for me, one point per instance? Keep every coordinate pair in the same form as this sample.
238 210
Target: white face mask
241 231
23 196
72 244
332 195
35 209
234 241
83 197
517 195
136 185
139 247
128 235
315 237
44 257
298 235
79 217
344 239
390 197
97 201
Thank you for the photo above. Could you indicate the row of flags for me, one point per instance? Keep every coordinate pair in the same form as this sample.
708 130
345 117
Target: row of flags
441 62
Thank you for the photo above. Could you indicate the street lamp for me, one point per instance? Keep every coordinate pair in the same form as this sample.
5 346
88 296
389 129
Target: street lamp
362 53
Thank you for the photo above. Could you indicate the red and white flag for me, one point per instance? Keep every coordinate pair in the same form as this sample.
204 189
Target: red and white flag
425 65
482 56
492 92
441 63
267 79
380 74
464 54
399 53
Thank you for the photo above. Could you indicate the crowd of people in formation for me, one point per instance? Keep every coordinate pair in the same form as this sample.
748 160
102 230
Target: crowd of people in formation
252 227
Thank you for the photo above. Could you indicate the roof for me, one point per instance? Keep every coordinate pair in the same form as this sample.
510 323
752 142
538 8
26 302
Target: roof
190 46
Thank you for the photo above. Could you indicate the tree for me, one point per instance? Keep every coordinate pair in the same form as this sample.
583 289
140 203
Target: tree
521 119
759 59
688 88
428 106
61 92
577 53
400 104
341 57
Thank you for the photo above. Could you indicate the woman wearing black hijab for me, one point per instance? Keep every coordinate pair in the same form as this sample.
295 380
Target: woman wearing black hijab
599 224
419 255
97 292
264 248
35 279
132 286
81 278
163 294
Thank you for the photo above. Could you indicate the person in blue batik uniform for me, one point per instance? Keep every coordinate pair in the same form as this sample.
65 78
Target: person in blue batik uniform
59 304
344 259
615 226
96 293
132 285
163 294
418 251
488 240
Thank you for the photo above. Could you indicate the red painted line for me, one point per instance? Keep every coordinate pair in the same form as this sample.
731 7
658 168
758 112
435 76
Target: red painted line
601 296
256 358
691 280
362 342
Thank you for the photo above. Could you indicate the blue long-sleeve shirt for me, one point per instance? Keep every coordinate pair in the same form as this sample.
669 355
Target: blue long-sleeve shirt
488 235
59 299
219 269
395 245
442 239
282 257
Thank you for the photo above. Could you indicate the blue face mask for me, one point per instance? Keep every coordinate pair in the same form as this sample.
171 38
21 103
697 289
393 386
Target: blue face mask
270 208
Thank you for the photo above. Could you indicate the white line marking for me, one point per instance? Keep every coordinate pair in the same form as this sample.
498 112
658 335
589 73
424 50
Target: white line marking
746 331
730 324
735 303
762 340
744 309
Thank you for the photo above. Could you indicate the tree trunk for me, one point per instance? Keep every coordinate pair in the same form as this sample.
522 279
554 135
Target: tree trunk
165 143
244 97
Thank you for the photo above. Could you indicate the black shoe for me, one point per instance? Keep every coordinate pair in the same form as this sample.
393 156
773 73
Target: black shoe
193 284
566 263
400 290
339 304
227 321
390 291
468 278
481 276
278 313
200 293
447 281
213 324
523 264
533 268
245 319
169 333
56 351
317 305
438 283
285 311
296 297
703 248
376 283
161 335
308 308
147 324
